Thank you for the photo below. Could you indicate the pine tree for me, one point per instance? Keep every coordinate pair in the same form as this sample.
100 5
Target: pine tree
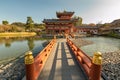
29 24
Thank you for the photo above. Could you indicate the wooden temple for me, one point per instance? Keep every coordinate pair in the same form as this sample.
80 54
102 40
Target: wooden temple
63 23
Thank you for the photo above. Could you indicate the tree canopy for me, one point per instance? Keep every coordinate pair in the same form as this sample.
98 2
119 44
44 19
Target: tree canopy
20 24
5 22
29 23
79 21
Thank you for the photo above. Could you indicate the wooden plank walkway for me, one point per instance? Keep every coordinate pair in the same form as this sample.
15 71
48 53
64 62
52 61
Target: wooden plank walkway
61 64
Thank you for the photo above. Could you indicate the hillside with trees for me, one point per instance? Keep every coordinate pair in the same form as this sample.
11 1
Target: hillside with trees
115 23
29 26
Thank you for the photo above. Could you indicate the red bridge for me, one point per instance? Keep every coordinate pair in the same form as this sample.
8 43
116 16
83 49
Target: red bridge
63 60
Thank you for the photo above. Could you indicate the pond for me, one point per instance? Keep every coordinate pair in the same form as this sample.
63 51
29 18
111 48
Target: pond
11 48
101 44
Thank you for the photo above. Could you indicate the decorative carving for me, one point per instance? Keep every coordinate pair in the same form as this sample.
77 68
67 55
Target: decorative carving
97 58
29 59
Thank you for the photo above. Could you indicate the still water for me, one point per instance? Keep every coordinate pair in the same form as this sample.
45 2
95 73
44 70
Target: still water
102 44
13 47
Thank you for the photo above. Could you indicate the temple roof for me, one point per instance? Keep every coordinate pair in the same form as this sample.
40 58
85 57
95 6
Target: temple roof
64 13
58 21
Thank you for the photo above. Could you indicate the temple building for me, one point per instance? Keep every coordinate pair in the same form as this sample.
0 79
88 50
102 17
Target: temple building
63 23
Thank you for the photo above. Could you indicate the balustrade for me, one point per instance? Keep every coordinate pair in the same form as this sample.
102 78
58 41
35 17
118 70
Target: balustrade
92 67
35 65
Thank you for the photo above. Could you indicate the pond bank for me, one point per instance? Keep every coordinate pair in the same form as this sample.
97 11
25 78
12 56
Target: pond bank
111 65
111 59
17 34
14 70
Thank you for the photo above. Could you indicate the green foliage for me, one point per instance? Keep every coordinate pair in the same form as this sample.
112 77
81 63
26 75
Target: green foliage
79 21
106 25
29 24
41 26
5 22
17 29
19 24
112 34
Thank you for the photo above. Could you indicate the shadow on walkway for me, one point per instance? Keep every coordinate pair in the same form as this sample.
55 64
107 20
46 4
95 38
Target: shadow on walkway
63 65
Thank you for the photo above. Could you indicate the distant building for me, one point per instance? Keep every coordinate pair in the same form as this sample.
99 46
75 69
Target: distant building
87 29
64 23
116 30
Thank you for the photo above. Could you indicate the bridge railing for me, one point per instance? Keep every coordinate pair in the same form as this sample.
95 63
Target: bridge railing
92 67
35 65
71 34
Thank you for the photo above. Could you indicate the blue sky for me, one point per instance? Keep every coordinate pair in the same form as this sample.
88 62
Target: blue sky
92 11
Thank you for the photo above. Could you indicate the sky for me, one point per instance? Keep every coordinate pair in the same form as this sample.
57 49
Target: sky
92 11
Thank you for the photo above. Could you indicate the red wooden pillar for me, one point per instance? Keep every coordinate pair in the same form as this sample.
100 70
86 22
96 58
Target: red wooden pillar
95 72
29 64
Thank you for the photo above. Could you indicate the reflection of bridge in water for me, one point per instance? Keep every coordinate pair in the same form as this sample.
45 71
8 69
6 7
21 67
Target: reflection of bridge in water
63 61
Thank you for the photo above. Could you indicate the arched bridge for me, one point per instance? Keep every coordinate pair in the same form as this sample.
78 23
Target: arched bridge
63 60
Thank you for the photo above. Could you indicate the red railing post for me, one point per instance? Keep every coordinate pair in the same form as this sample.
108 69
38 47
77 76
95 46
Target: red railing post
95 71
29 64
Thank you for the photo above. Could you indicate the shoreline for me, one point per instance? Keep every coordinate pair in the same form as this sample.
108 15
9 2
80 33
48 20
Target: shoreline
110 63
14 70
17 34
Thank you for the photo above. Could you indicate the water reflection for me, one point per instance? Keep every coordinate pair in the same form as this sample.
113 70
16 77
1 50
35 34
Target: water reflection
14 47
31 43
7 44
8 41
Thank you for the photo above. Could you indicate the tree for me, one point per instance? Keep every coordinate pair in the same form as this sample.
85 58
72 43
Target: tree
19 24
41 26
5 22
78 22
29 24
17 29
92 24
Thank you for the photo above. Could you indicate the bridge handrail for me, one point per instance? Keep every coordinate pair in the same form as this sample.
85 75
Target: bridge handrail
38 62
82 58
92 70
71 34
41 58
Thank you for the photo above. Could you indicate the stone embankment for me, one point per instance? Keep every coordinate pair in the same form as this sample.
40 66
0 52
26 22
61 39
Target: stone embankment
14 70
111 65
